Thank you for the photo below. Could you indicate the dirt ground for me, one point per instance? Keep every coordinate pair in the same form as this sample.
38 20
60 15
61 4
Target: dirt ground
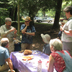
45 29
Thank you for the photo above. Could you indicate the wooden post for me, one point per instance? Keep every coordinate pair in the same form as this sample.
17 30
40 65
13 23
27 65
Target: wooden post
18 13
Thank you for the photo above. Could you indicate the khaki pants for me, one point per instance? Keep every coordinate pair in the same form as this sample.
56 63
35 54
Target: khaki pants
26 46
11 47
4 67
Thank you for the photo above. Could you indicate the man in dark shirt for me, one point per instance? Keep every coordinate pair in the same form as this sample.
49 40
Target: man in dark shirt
28 31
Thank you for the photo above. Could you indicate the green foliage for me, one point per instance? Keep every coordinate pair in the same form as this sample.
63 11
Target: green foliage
13 2
3 11
30 7
3 14
64 4
48 13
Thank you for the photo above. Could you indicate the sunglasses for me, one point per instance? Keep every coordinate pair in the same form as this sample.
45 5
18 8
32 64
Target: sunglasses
27 21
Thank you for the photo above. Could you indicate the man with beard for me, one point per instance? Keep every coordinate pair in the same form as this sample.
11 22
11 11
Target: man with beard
8 31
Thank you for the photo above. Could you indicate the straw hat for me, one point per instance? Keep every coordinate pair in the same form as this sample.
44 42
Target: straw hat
27 18
46 38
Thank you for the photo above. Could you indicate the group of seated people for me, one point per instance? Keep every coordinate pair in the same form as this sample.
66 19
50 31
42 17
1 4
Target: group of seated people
61 49
59 57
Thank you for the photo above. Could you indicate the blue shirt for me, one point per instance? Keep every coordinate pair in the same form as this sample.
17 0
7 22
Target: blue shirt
4 54
46 49
27 38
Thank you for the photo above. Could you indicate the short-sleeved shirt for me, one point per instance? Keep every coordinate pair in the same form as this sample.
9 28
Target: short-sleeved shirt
4 54
27 38
4 30
67 27
46 49
59 61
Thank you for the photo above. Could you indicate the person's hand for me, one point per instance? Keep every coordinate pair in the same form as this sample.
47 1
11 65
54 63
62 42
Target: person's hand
61 28
23 32
13 29
27 24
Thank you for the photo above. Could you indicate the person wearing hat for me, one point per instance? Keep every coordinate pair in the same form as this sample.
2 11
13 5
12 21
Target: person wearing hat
5 61
8 31
28 31
46 47
67 30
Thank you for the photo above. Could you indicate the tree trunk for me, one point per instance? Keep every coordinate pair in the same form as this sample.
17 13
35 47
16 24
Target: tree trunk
44 13
11 13
15 15
57 15
18 18
31 16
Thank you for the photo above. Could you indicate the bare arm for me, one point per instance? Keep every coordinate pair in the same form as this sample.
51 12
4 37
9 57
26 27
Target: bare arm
66 32
24 30
32 34
10 64
51 62
5 33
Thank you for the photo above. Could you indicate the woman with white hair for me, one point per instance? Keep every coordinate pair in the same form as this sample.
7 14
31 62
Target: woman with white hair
58 57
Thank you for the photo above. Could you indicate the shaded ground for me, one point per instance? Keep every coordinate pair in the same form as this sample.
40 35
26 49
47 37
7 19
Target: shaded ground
45 29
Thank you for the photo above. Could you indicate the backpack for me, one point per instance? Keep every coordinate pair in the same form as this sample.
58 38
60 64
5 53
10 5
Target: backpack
68 61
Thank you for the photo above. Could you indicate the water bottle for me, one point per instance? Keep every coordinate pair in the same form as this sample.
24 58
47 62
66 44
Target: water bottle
39 68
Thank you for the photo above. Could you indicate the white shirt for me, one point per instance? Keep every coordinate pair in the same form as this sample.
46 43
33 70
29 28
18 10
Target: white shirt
67 27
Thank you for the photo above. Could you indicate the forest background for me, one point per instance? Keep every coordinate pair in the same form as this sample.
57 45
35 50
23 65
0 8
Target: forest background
15 9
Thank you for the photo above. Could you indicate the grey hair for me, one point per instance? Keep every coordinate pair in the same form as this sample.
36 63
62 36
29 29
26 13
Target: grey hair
56 43
4 41
8 19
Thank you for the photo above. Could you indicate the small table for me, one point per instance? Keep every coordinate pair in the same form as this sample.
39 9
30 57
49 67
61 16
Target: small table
31 65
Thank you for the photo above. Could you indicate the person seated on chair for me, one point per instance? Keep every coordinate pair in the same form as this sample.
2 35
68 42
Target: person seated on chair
4 56
46 47
58 57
